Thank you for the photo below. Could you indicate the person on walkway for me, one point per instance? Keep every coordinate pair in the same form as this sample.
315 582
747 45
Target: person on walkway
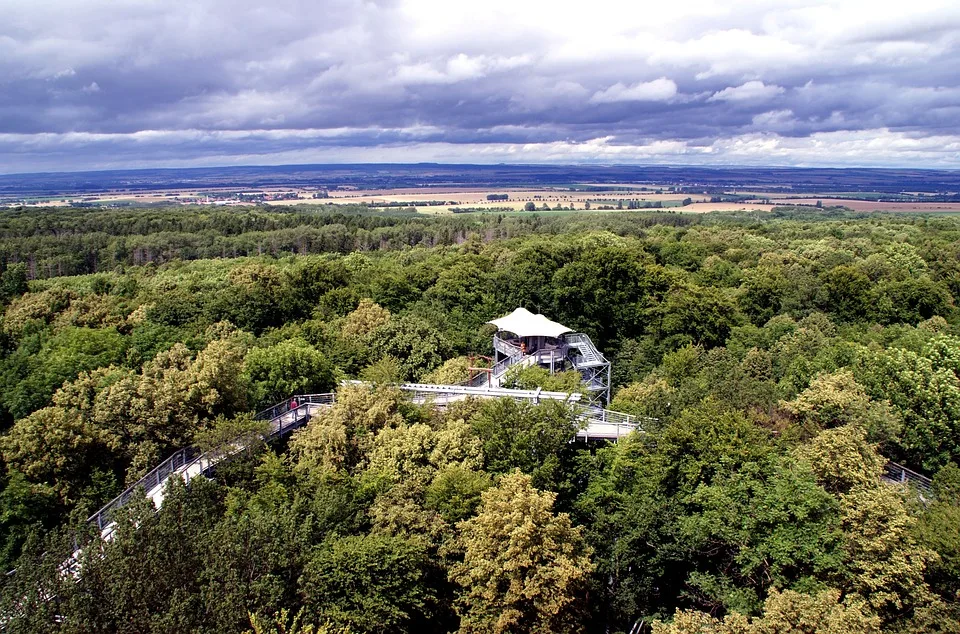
294 404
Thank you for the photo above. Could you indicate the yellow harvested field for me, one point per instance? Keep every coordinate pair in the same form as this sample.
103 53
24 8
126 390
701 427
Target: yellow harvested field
701 208
478 197
865 205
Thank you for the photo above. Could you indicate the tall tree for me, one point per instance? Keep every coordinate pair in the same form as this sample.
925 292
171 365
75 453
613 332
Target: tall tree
524 568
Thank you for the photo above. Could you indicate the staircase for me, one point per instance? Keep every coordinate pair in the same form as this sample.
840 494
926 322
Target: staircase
494 378
589 355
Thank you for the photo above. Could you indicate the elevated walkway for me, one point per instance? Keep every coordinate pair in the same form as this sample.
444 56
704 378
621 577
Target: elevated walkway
190 462
898 474
597 423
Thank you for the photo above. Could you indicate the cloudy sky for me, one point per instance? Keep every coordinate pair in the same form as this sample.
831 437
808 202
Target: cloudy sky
92 84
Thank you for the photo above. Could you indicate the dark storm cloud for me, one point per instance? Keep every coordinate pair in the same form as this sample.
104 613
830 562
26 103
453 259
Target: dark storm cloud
97 83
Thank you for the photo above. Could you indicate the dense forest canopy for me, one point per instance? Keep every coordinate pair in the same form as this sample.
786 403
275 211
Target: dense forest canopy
786 357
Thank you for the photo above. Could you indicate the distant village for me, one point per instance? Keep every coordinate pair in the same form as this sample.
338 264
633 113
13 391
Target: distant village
124 199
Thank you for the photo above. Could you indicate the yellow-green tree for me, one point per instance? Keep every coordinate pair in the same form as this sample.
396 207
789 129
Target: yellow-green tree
338 437
842 459
367 317
882 559
885 564
524 568
785 612
452 372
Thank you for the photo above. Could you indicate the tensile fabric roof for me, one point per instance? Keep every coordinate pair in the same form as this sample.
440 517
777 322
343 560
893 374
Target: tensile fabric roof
523 323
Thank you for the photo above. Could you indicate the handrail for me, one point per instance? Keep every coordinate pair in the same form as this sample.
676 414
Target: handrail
181 461
286 405
622 424
547 356
533 396
601 415
503 366
606 423
898 473
481 379
150 481
583 342
505 347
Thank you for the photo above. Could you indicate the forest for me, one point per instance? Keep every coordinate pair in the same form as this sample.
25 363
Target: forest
782 358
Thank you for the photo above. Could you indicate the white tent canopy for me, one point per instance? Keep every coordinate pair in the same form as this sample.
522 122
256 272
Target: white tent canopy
523 323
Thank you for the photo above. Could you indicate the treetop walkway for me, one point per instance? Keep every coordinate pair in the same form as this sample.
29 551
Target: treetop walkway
596 423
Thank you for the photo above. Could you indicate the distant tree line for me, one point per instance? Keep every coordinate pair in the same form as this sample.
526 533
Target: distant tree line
70 242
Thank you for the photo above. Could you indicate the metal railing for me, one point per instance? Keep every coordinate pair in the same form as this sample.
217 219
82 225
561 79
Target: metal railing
295 411
598 422
285 406
499 369
158 475
505 347
604 423
894 472
588 351
599 416
547 357
605 431
283 417
427 391
483 378
609 416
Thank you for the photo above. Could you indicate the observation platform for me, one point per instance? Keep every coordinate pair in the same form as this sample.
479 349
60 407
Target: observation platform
524 339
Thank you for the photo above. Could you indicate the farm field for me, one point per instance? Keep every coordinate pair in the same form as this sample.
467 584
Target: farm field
706 207
436 190
866 205
477 198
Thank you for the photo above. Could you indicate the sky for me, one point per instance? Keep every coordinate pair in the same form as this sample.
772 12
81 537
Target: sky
103 84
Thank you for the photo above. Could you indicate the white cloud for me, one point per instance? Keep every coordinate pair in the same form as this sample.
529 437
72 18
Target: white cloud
422 73
661 89
460 67
754 90
481 77
773 118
